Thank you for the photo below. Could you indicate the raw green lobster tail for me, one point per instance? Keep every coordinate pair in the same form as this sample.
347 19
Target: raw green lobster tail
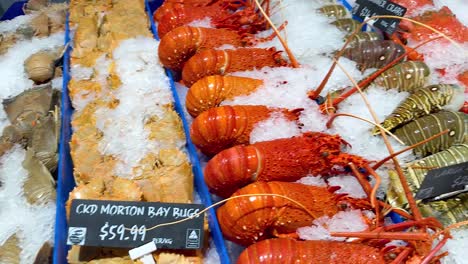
424 101
346 24
449 211
427 126
406 76
336 11
374 54
364 37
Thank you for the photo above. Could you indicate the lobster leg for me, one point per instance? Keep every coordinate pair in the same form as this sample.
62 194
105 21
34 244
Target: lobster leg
412 54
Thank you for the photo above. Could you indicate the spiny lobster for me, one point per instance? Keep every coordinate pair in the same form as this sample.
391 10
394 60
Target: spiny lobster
247 220
290 251
226 126
181 43
239 15
282 160
211 62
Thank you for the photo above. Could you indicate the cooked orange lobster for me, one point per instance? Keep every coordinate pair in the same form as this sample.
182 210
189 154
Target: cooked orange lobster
246 220
277 160
183 42
239 15
210 91
226 126
290 251
211 62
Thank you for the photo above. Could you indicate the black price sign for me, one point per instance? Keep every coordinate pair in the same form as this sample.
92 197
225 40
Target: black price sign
125 224
444 182
367 8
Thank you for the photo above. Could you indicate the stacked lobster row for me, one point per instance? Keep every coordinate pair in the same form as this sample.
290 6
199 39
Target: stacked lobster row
265 202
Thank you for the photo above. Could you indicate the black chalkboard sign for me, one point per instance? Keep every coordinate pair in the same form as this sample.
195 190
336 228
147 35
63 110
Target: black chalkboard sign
125 224
367 8
444 182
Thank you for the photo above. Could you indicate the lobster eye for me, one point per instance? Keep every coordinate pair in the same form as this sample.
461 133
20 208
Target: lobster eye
325 154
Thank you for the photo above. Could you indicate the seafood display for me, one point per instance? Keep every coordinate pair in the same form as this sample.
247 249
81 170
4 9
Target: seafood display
30 56
312 131
264 138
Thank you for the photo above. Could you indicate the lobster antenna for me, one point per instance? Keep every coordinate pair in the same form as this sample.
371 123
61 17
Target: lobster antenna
380 163
368 190
332 118
452 226
404 183
317 91
228 199
431 254
294 62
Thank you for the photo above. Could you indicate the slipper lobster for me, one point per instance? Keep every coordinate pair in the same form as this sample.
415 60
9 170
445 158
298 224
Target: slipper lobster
281 159
226 126
211 91
290 251
246 220
212 62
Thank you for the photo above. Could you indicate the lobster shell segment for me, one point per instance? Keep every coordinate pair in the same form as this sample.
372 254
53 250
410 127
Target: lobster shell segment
167 6
405 76
423 102
210 91
277 160
246 220
374 54
183 42
212 62
226 126
289 251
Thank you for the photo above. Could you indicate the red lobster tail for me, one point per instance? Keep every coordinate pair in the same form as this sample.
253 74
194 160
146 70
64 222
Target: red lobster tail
211 62
231 169
289 251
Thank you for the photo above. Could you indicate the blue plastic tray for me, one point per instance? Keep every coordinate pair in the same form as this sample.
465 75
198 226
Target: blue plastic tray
16 9
66 181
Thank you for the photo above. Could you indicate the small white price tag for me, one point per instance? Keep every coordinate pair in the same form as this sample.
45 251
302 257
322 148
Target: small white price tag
143 251
148 259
